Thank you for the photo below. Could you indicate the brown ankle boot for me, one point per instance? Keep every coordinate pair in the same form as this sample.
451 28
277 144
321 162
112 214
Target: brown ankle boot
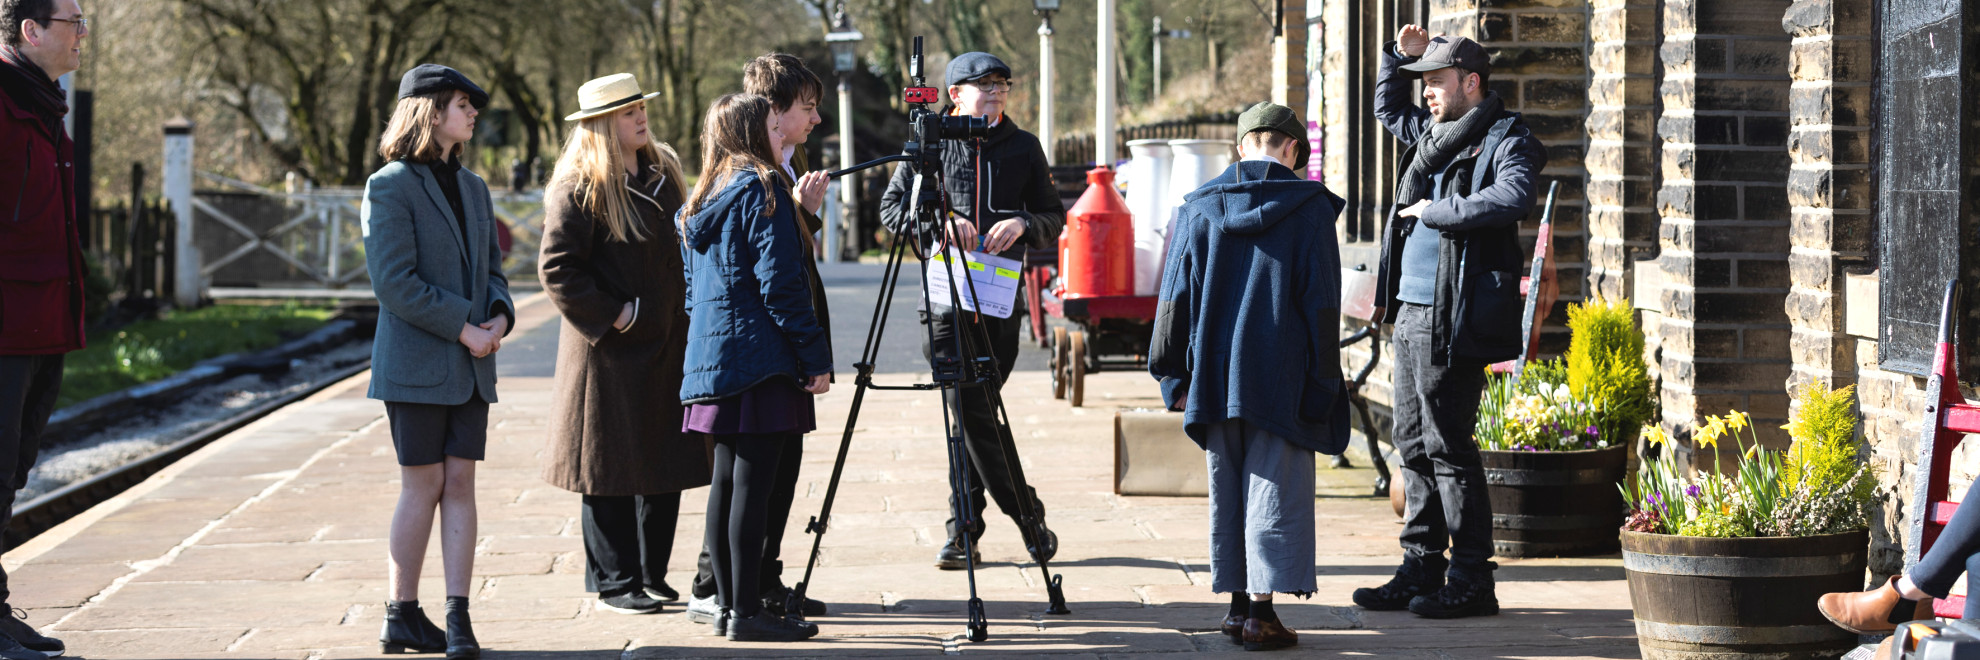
1266 635
1875 611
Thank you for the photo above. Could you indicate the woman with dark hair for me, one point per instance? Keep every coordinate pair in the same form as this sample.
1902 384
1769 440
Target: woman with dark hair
756 352
612 263
443 308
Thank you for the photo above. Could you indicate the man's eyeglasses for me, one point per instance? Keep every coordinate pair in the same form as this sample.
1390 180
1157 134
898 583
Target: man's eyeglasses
81 23
991 86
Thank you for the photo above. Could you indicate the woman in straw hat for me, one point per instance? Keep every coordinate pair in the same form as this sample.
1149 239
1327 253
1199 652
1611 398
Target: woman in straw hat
443 308
612 264
756 352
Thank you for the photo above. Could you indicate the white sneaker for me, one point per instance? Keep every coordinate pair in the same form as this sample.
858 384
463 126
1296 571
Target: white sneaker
702 610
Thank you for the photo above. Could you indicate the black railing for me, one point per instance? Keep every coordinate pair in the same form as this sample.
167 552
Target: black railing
1077 149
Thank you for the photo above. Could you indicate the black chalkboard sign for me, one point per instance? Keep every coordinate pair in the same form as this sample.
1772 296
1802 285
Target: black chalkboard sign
1923 112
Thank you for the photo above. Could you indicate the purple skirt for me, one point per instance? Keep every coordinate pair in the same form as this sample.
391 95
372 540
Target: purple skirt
776 405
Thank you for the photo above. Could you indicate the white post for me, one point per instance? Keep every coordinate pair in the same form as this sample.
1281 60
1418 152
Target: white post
1046 109
178 184
1103 88
836 227
1157 40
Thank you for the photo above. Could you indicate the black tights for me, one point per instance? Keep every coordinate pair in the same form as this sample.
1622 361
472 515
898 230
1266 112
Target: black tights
738 511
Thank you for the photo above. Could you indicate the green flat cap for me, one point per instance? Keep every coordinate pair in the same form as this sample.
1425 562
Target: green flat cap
1269 116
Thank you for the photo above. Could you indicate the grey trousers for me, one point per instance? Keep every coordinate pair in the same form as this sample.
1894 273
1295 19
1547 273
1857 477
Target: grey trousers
1261 511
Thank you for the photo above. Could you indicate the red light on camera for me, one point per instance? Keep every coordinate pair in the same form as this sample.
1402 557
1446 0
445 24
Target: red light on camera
922 95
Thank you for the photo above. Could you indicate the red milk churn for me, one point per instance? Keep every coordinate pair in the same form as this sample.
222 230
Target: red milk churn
1096 250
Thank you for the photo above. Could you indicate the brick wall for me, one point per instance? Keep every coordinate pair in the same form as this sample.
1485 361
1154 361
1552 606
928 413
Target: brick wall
1723 233
1622 154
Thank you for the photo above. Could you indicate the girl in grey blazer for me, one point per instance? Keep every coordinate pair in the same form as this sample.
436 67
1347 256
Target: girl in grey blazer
444 307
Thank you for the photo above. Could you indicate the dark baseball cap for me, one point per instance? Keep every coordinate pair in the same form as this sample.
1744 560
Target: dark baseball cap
970 66
1447 51
1269 116
429 78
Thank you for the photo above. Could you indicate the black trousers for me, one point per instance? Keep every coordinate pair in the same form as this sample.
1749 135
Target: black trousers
738 506
782 495
627 540
984 435
1436 412
1957 550
28 387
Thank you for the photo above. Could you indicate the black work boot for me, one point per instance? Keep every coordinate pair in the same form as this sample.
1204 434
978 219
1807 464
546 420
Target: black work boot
951 558
1411 580
407 630
1463 596
460 631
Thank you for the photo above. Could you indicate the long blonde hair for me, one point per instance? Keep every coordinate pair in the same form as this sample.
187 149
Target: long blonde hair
412 133
735 137
595 166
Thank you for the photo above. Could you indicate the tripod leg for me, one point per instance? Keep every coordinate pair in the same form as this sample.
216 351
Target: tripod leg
1038 539
960 506
1374 448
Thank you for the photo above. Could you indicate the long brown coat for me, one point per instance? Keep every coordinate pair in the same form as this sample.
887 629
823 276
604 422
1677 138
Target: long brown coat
615 419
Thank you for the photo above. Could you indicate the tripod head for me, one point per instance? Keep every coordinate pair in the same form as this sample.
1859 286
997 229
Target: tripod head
927 131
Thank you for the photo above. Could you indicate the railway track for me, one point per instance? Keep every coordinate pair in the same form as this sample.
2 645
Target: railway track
51 509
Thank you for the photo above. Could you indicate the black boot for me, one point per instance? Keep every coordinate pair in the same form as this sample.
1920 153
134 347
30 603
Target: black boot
767 627
1463 596
407 630
460 631
1411 580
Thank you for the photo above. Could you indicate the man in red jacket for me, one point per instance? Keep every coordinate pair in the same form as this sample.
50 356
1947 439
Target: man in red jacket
41 267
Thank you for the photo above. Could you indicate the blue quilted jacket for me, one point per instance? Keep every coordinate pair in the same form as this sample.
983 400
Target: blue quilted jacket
748 299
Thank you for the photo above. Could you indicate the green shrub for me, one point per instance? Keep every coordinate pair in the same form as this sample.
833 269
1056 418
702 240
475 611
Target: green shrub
1605 365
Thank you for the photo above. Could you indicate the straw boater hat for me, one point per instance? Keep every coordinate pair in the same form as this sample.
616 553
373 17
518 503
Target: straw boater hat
607 94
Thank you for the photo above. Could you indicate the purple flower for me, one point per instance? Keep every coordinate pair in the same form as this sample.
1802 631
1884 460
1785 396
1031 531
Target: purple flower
1693 490
1594 431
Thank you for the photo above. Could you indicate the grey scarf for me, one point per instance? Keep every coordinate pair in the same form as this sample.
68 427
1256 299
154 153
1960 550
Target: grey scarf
1439 145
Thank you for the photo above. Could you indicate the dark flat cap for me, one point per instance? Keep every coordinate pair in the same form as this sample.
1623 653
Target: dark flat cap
1269 116
429 78
970 66
1446 51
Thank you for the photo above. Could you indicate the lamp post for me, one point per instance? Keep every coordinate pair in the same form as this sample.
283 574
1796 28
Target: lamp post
1046 108
1161 34
1103 86
843 39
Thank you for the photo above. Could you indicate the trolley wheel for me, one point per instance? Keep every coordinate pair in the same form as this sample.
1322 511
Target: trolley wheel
1059 363
1076 368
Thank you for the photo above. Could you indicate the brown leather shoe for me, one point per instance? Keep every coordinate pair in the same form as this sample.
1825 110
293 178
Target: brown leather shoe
1870 612
1234 626
1264 635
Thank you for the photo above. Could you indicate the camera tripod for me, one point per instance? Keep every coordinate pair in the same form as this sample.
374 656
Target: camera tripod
968 369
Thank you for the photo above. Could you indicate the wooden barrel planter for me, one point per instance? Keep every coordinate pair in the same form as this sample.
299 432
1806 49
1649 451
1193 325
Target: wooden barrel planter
1697 598
1555 503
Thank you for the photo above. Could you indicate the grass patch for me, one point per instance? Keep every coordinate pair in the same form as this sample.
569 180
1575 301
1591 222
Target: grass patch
147 351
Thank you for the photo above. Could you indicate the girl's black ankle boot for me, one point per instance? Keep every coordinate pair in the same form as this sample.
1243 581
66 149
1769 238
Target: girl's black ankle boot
407 630
460 631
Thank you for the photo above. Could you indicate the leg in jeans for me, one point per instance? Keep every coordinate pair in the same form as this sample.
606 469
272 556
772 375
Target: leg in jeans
658 515
1446 410
755 472
1278 515
984 434
611 543
721 490
1950 554
1424 535
28 387
1224 445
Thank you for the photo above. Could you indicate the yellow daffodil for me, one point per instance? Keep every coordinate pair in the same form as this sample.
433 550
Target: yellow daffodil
1738 420
1655 435
1708 435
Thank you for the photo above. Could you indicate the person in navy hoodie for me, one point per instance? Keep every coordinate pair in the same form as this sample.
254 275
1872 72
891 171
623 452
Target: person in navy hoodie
756 352
1247 345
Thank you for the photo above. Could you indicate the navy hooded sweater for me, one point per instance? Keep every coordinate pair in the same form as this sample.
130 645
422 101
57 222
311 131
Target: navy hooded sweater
1247 324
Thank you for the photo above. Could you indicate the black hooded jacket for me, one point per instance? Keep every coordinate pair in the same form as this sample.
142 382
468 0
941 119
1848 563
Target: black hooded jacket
1017 182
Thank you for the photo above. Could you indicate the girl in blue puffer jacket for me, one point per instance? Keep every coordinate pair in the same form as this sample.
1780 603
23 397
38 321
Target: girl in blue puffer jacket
756 353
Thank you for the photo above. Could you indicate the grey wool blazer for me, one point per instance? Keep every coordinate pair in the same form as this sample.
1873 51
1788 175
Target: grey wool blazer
430 280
